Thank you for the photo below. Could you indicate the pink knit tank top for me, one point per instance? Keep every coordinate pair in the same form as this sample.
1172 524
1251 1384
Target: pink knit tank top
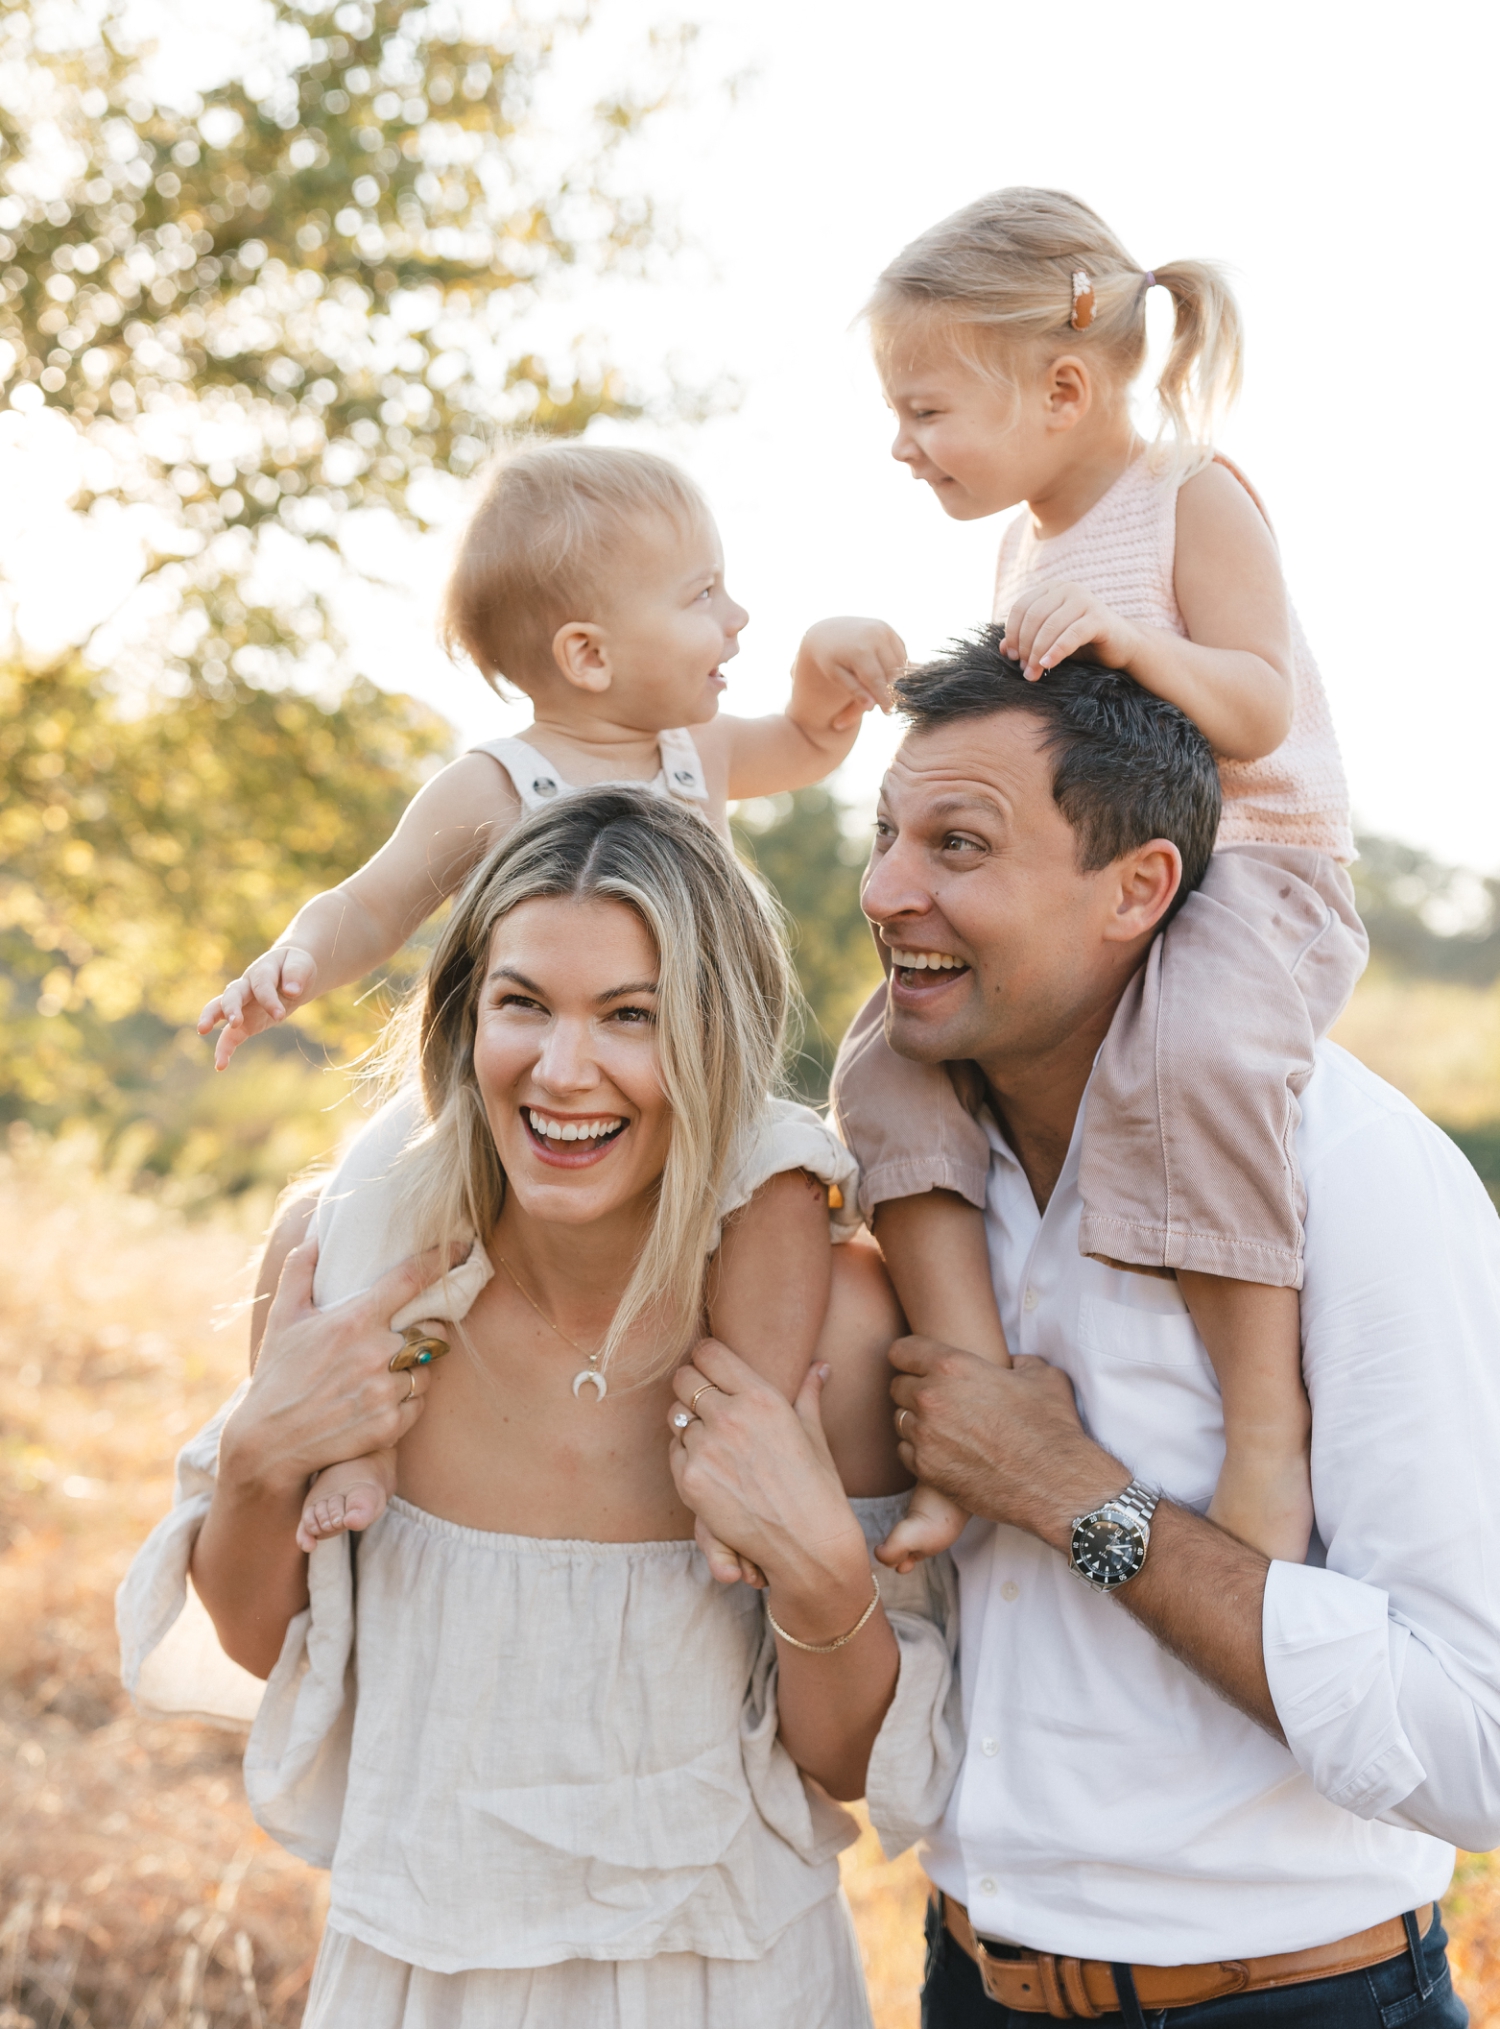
1123 550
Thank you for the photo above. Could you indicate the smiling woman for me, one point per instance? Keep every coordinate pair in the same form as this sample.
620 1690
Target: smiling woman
557 1770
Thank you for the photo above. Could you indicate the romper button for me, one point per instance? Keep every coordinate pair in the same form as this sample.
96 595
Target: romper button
544 786
1031 1300
1008 1591
683 775
990 1746
987 1885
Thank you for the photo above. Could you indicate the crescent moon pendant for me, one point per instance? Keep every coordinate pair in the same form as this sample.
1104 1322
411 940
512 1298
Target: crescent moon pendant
591 1374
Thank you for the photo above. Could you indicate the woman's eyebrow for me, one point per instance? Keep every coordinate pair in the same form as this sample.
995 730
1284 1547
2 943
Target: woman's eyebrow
619 992
517 978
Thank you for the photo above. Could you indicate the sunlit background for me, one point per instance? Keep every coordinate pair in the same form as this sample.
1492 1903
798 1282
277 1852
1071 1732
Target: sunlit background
270 277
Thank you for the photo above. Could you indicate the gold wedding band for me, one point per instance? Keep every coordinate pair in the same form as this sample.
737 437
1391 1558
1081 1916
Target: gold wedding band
899 1414
693 1405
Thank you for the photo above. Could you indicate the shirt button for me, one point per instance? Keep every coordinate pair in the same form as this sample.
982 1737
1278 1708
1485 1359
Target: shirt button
683 776
1030 1300
1010 1590
544 786
990 1746
987 1885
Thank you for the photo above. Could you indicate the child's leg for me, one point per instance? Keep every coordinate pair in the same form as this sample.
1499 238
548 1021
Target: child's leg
923 1161
1253 1336
1188 1157
349 1495
935 1249
767 1295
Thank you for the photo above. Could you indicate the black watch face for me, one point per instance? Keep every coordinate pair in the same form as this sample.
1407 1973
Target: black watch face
1108 1552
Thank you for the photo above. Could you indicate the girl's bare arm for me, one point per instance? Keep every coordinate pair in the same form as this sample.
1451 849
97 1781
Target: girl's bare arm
1233 674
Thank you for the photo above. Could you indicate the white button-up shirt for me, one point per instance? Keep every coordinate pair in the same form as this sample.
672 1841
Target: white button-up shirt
1112 1806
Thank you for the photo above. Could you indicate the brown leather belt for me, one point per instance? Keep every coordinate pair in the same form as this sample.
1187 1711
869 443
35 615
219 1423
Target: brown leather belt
1041 1983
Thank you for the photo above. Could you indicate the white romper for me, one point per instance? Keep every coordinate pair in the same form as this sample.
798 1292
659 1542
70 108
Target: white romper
545 1774
537 782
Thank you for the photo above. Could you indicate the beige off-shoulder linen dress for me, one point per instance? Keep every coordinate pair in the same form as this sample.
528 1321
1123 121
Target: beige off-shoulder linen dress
545 1774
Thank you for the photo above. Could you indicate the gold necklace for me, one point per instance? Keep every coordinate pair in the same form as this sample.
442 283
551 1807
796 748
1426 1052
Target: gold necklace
591 1371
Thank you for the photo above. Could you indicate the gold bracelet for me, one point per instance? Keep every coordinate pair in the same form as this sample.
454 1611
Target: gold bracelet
825 1648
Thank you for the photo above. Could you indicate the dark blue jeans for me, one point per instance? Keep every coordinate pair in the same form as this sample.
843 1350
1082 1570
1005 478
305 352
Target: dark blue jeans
1414 1988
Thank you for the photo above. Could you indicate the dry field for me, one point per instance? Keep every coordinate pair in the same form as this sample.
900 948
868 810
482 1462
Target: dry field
135 1892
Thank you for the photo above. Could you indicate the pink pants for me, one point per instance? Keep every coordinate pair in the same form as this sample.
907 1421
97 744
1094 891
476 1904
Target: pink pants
1188 1157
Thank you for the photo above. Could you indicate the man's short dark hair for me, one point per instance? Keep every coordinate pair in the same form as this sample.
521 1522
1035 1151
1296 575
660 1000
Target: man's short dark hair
1127 766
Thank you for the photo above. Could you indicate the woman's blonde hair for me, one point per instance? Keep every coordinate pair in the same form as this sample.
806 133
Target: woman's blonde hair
1000 274
541 543
724 997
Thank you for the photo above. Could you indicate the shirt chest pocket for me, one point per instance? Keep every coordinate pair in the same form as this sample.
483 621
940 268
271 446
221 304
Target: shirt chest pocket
1148 1392
1146 1338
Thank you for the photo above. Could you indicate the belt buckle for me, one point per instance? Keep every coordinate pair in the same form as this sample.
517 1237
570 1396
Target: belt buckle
1060 1982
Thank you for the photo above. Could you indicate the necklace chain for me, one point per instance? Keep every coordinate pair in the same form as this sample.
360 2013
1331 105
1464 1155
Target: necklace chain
551 1325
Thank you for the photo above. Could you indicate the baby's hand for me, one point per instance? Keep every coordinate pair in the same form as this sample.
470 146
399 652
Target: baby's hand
1058 620
259 997
846 667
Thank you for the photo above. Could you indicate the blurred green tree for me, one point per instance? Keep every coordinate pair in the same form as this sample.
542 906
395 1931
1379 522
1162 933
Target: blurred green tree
262 307
805 847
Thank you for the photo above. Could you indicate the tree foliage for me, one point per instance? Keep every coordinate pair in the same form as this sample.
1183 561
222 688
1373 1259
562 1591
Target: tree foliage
803 845
263 307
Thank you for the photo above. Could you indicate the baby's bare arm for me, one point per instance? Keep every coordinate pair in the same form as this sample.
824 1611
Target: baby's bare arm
844 668
934 1246
465 808
345 932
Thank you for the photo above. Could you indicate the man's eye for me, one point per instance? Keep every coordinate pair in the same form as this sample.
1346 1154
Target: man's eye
956 841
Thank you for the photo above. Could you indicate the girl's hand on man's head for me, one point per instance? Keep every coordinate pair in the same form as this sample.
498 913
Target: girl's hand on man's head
280 980
1056 620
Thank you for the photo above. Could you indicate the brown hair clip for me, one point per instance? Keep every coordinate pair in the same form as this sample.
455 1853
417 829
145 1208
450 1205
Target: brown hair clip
1083 301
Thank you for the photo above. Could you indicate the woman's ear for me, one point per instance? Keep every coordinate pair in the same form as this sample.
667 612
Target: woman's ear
1067 392
1148 878
581 652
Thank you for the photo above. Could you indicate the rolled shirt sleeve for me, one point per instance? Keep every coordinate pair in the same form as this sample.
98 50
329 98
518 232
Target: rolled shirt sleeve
1384 1664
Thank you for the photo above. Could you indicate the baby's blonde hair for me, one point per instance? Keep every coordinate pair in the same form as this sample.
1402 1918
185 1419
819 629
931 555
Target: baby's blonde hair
724 996
538 548
1000 275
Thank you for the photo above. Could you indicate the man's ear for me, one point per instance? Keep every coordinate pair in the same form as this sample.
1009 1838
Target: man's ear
581 652
1148 879
1067 392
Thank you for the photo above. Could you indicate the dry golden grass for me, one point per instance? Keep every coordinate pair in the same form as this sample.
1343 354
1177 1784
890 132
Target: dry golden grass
1437 1042
135 1891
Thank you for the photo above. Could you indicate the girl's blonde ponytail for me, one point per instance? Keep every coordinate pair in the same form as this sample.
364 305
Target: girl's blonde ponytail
1000 274
1202 375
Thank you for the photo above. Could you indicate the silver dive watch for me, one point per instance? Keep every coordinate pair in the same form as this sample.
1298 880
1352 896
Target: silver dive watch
1108 1547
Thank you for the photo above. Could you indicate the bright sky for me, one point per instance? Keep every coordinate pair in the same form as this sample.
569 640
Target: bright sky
1338 158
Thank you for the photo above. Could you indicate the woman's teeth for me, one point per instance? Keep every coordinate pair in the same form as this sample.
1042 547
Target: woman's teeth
927 961
571 1130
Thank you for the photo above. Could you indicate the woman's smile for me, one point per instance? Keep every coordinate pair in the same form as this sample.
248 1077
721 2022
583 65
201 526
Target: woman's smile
571 1140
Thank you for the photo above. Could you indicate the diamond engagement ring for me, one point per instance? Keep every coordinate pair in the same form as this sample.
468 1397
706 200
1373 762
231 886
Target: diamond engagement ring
681 1418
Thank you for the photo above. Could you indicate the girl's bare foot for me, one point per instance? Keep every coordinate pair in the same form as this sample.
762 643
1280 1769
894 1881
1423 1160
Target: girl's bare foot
932 1523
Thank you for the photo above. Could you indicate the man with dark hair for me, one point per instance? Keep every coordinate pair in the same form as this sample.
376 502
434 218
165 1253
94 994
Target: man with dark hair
1229 1794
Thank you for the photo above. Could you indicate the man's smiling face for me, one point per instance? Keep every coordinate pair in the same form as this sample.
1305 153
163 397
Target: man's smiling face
1002 948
